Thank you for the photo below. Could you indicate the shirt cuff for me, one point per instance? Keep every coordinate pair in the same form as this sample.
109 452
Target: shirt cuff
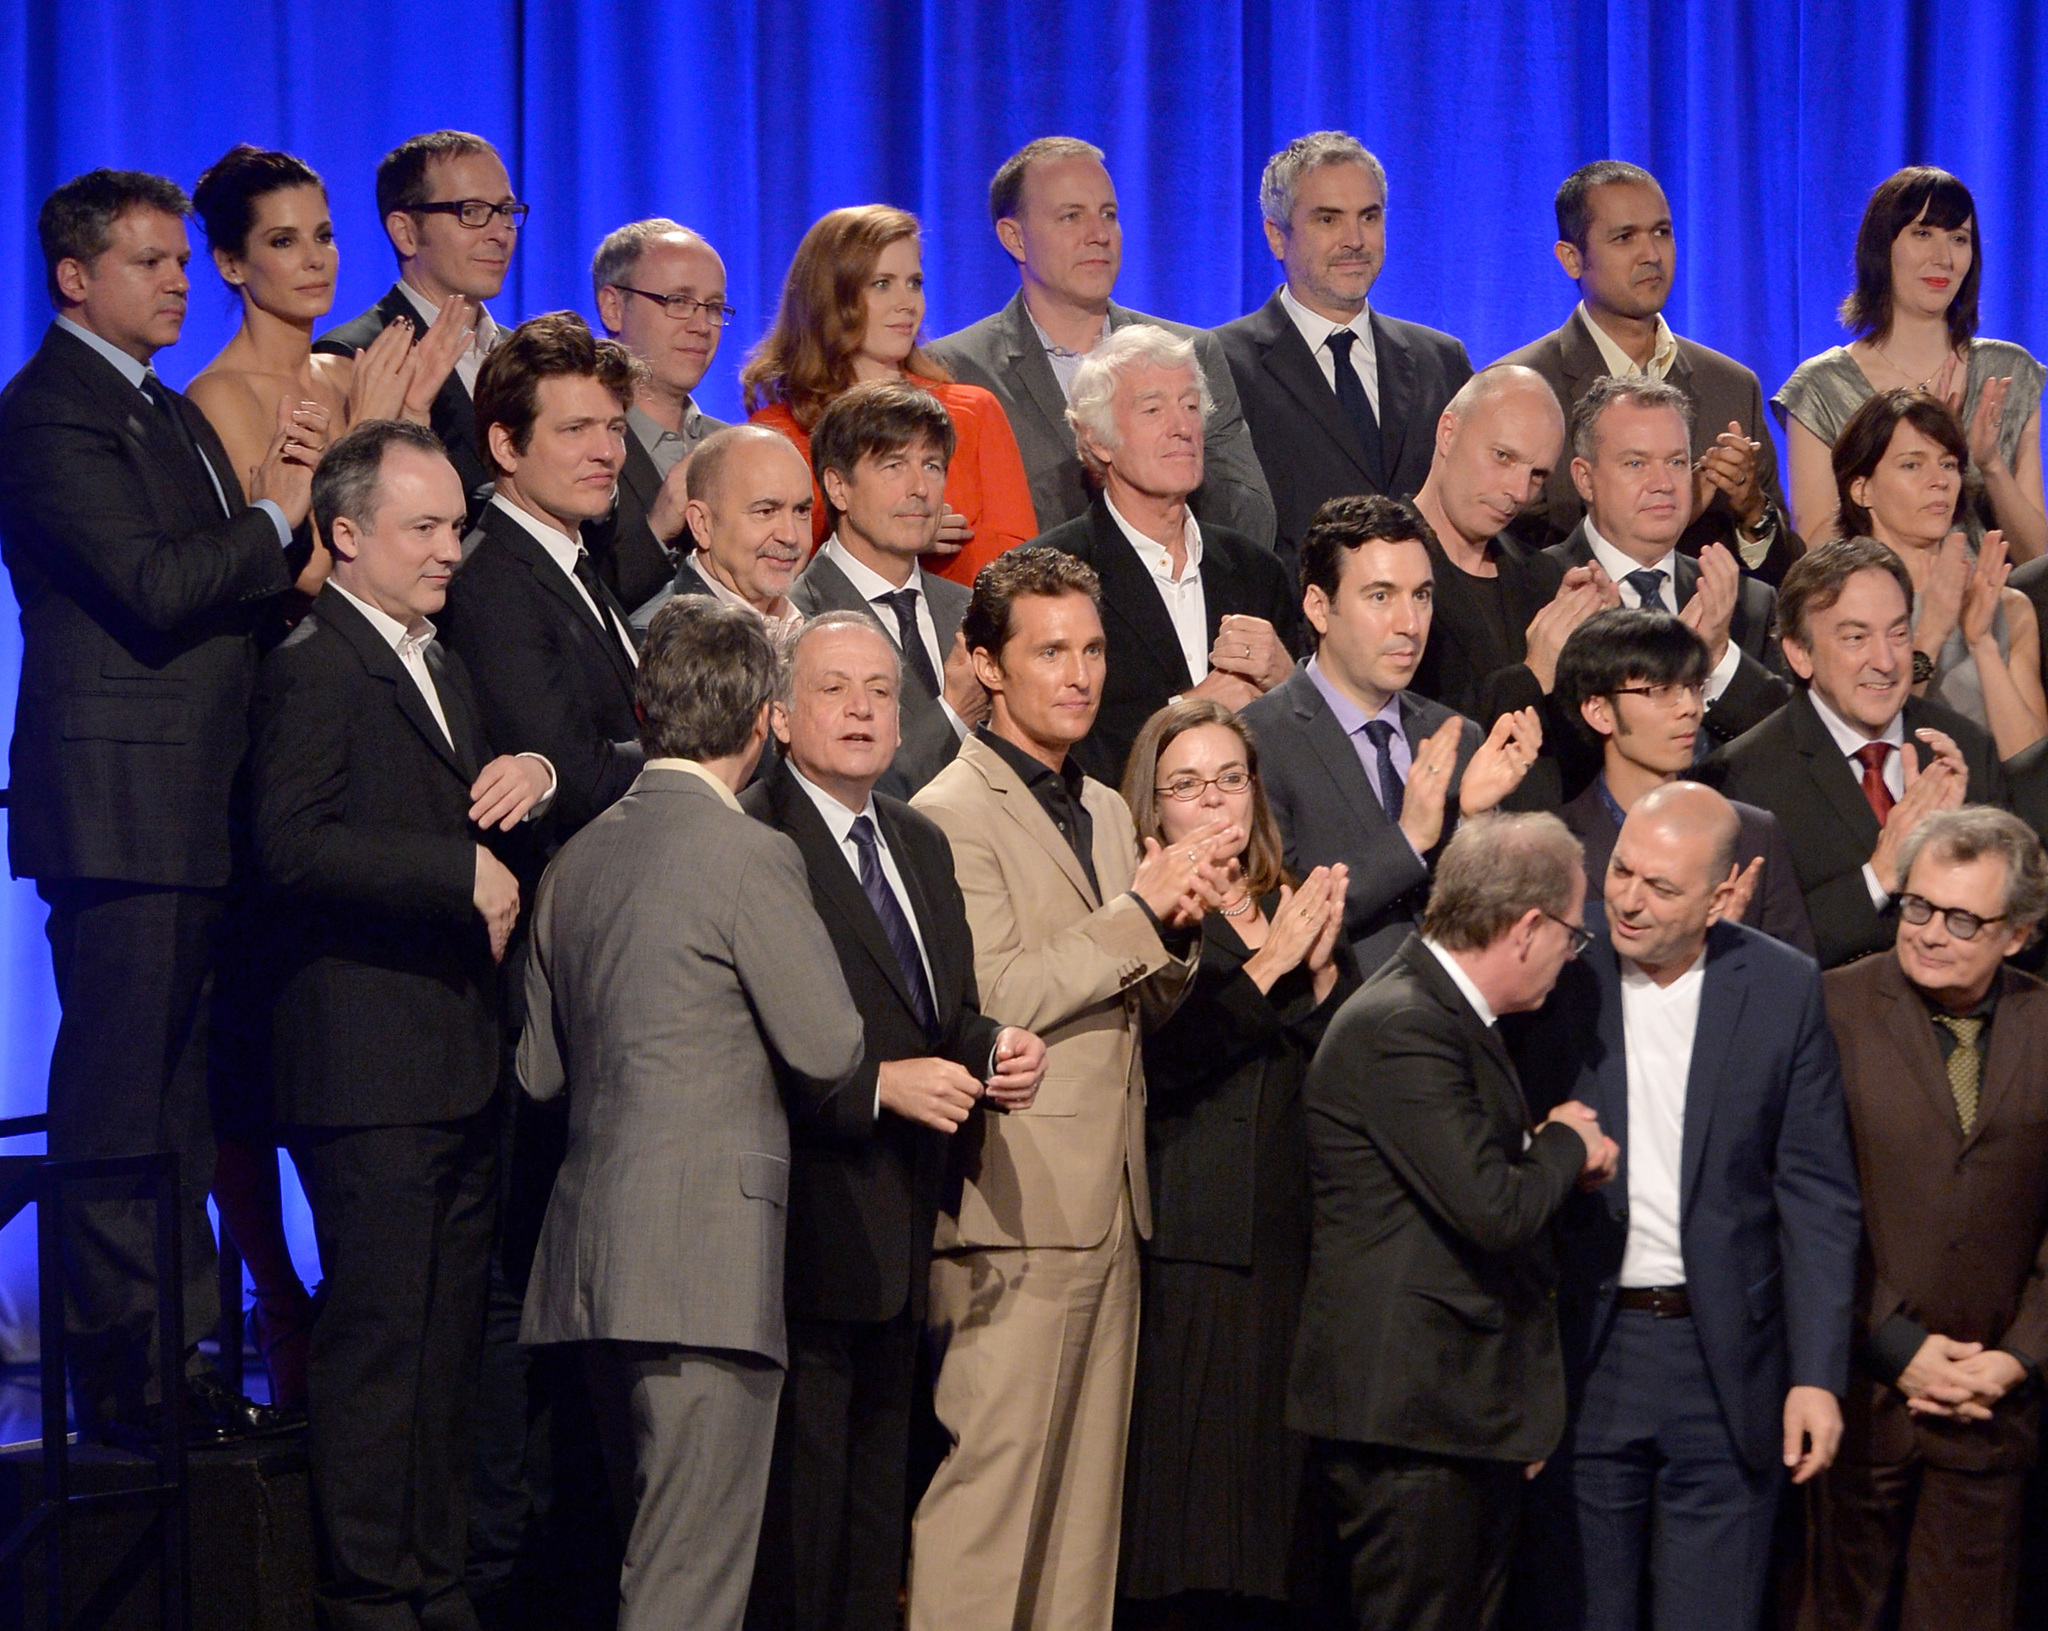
271 508
960 726
1893 1345
542 804
1755 550
1723 674
1880 897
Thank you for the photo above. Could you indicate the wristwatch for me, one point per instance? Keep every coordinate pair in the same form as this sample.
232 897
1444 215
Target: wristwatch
1923 667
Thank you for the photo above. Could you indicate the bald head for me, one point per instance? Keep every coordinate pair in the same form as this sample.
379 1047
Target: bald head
747 445
1671 876
1496 444
1695 814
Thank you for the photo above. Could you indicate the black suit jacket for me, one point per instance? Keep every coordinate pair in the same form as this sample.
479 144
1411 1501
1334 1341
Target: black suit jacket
1722 390
1775 906
387 1001
861 1214
1146 664
139 603
549 677
1428 1322
453 415
1306 445
1328 812
1790 766
633 563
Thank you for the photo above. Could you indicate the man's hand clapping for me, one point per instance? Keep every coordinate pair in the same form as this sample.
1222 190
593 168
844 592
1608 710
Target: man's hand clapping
1938 785
1502 760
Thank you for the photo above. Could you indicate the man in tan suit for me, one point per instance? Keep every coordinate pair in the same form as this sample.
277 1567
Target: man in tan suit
1941 1047
1083 939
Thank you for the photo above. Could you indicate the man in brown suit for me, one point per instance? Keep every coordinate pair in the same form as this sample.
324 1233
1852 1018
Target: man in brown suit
1084 939
1941 1046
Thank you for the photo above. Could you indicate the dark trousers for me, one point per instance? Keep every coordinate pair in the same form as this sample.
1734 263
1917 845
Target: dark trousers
1945 1544
1649 1455
403 1218
831 1556
1424 1540
134 971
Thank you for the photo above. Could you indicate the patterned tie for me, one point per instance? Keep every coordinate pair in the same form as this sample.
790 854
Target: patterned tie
1648 583
1382 734
1872 756
1356 404
1965 1063
874 884
917 656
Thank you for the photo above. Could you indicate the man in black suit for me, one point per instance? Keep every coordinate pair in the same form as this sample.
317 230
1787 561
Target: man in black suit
141 574
1427 1368
880 453
1630 462
1340 398
660 292
1853 762
374 792
1357 767
1615 242
448 208
1189 609
861 1215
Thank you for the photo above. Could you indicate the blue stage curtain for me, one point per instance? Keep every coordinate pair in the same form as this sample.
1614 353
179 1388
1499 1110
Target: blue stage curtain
1768 122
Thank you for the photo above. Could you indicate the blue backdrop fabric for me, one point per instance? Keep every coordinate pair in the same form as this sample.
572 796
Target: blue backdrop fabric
1768 122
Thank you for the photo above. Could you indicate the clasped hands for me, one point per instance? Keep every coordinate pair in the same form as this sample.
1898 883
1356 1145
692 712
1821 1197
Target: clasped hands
1603 1155
1959 1381
938 1093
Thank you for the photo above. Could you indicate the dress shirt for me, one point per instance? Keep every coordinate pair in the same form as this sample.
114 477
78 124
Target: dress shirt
693 768
1186 604
782 618
135 373
1464 983
1065 363
410 647
870 585
1617 565
481 341
1849 739
1316 330
1619 362
1657 1025
1059 794
563 553
1353 720
839 823
667 448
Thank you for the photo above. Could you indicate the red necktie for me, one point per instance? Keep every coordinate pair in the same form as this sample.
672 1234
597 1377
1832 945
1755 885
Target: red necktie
1872 756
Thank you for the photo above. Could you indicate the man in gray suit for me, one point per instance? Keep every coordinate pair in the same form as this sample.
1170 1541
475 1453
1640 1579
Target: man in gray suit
680 979
1054 208
880 452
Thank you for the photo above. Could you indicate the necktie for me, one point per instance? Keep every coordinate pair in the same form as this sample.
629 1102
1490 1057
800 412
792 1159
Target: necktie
600 597
917 656
1356 404
1648 583
1382 734
1872 756
159 398
896 929
1965 1063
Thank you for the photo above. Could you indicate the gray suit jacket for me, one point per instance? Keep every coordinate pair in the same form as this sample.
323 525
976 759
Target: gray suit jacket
681 986
929 739
1001 353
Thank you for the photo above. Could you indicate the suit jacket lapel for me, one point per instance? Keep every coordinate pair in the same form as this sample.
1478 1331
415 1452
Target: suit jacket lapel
1578 356
1335 749
835 879
638 474
1288 359
1021 807
1397 393
461 726
921 909
1028 363
1829 770
1720 1017
1423 961
1130 595
1685 579
1909 1029
379 659
2004 1065
559 584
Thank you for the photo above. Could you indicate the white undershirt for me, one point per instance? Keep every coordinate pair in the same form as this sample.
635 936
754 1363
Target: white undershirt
1186 605
1617 565
563 553
1658 1024
1316 330
1849 739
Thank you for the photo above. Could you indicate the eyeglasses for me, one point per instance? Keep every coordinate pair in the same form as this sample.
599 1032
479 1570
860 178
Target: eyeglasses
683 307
1582 937
1664 696
1918 909
1190 787
476 212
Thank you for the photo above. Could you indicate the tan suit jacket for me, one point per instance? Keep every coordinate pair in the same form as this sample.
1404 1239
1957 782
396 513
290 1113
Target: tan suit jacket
1089 977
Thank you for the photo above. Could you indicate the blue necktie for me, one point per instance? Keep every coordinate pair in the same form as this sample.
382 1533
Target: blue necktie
1648 583
1357 405
874 884
1382 734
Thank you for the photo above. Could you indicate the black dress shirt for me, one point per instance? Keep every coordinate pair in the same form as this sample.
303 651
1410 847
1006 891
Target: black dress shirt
1059 794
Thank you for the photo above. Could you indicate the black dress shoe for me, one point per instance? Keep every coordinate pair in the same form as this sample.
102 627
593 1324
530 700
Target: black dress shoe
213 1415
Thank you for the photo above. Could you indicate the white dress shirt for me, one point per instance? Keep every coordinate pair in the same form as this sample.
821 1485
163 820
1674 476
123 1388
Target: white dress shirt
1186 605
1850 740
1464 983
1317 329
1658 1024
870 585
563 552
482 339
1617 565
1619 362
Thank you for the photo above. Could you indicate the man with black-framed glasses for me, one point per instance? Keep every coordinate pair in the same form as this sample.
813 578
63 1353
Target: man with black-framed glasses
660 291
448 208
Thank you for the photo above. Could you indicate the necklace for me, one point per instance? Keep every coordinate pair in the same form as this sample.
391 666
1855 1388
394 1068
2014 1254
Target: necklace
1948 358
1243 906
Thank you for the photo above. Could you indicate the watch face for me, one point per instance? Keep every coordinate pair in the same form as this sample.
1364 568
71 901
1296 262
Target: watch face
1923 668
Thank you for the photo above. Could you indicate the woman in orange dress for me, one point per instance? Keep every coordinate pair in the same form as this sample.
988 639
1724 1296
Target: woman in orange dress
852 306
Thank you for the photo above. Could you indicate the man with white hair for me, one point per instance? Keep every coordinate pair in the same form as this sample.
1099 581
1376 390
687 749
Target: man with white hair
1189 609
1341 399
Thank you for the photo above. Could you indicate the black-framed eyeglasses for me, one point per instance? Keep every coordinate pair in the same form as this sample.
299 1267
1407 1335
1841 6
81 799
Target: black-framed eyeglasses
1918 909
1663 696
1582 937
477 212
683 307
1190 787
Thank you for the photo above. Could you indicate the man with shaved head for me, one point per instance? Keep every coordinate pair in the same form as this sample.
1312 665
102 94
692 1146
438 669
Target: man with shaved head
1705 1299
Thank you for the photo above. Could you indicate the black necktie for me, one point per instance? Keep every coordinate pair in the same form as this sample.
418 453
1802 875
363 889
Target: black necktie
600 597
874 884
1356 404
158 395
1648 583
1382 735
917 656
